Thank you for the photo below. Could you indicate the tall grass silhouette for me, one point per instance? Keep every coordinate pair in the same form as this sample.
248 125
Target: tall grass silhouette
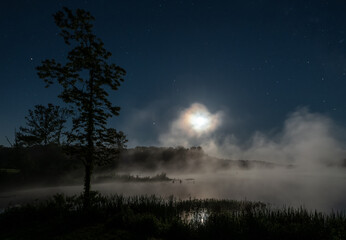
145 217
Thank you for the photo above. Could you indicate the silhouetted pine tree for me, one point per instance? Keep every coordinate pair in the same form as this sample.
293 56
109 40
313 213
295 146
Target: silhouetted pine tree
84 77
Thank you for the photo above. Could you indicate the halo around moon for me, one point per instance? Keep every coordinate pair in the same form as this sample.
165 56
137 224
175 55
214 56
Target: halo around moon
192 127
197 120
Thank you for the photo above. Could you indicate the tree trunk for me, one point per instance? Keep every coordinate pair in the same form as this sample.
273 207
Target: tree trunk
87 179
90 144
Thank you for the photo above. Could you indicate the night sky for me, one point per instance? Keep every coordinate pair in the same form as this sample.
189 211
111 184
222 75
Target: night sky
256 61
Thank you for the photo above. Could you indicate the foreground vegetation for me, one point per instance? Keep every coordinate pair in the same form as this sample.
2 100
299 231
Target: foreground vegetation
150 217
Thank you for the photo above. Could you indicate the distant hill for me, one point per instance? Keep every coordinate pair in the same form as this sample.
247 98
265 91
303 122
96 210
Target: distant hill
182 159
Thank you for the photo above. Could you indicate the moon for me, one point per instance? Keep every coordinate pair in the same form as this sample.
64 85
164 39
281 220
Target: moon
199 121
194 126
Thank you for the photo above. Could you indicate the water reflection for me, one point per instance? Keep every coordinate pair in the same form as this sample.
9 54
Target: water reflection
195 216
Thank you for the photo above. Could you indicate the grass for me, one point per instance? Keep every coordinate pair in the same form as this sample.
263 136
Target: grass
151 217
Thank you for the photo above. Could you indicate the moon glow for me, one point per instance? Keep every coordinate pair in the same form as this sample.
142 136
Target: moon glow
194 126
199 121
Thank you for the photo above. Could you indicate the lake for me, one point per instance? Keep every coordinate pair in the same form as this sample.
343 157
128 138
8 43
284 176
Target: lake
321 189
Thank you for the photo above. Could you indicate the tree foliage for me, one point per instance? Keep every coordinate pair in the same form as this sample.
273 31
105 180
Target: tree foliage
86 78
44 126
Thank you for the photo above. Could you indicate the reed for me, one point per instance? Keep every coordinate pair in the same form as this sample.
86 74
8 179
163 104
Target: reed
145 217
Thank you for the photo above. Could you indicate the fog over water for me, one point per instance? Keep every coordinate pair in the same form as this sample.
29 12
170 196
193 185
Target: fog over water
322 191
309 157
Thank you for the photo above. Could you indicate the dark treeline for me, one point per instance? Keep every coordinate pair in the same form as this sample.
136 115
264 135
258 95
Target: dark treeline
179 158
153 158
52 164
43 165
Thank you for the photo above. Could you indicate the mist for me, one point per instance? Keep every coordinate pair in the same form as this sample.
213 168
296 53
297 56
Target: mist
307 140
307 155
301 164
